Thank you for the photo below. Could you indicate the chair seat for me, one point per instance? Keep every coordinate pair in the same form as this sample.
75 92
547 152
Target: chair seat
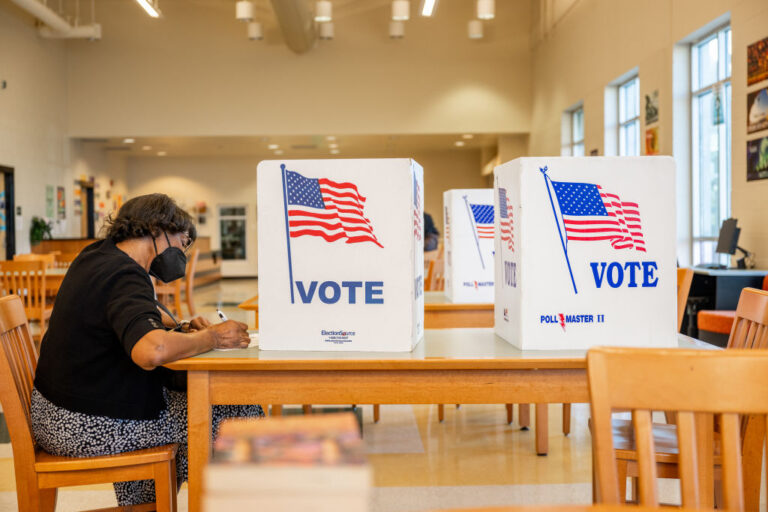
47 463
664 441
715 320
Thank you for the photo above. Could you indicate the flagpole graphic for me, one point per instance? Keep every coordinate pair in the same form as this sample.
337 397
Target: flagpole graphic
563 242
287 230
474 230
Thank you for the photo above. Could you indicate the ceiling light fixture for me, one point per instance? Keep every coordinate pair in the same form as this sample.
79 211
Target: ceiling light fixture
255 33
326 31
428 7
128 141
334 151
330 137
333 146
396 29
278 151
151 7
475 29
459 143
274 146
401 10
486 9
161 153
244 10
323 11
467 136
146 148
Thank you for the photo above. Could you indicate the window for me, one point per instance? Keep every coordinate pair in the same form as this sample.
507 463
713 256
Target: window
232 223
573 132
629 117
711 142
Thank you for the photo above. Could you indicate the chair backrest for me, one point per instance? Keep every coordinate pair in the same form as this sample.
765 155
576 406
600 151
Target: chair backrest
65 259
750 325
189 276
18 361
696 383
50 259
435 278
684 278
25 279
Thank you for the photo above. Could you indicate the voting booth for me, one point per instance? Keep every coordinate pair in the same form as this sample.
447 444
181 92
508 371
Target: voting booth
468 233
341 260
585 252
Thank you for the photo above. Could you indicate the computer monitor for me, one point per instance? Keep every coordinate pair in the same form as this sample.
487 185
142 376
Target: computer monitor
728 241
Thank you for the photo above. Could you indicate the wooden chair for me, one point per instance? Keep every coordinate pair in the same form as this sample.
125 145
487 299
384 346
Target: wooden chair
50 258
749 331
684 278
27 280
39 474
170 293
435 278
698 384
65 259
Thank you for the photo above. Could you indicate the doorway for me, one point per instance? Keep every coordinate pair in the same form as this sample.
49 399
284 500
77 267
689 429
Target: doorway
7 213
87 218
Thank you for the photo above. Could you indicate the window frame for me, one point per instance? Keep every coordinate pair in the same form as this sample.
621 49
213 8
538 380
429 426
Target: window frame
634 120
573 142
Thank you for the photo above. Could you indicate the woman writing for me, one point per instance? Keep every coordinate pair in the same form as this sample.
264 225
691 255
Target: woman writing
99 387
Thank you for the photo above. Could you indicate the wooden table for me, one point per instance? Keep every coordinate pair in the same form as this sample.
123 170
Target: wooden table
53 278
468 366
439 312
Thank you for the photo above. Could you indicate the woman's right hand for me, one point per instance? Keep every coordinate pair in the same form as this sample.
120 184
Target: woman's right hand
230 334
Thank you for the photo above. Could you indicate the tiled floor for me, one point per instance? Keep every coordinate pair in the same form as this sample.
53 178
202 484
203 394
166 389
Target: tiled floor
473 458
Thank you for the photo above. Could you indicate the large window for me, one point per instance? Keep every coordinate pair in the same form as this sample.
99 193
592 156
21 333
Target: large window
629 117
232 225
711 141
574 132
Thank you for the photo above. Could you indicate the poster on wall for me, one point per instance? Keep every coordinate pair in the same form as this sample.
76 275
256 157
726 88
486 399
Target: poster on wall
757 61
61 204
652 141
757 111
652 107
49 201
757 159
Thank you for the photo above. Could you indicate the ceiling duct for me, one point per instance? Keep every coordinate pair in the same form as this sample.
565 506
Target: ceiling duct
297 23
55 25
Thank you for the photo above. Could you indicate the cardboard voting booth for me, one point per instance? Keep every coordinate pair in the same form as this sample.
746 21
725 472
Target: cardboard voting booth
468 244
585 252
341 261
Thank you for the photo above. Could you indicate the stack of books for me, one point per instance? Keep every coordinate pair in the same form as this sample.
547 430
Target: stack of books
314 462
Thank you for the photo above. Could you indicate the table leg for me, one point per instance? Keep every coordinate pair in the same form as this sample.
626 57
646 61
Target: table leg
566 419
524 411
199 433
542 429
510 413
376 412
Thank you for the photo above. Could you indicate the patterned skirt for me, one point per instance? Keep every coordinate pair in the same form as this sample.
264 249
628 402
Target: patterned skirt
60 431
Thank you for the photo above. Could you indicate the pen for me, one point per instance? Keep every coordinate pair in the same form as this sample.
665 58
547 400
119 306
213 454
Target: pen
222 316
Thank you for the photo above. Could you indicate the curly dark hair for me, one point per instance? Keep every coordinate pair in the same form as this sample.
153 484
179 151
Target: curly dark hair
149 215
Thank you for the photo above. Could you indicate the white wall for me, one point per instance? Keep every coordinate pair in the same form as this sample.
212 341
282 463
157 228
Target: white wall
595 41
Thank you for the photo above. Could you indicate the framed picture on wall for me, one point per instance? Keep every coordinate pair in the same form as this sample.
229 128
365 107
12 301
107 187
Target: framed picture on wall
757 110
757 159
757 61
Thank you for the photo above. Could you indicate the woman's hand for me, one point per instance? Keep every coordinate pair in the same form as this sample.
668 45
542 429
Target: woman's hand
230 334
199 323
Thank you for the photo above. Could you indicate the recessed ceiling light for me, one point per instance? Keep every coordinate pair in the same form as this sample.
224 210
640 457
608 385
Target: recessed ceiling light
274 146
475 29
486 10
161 153
150 7
467 136
459 143
323 11
330 137
334 151
401 10
146 148
128 141
278 151
333 145
428 7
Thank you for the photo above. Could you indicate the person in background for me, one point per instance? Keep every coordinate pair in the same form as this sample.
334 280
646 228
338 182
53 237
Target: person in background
100 386
431 234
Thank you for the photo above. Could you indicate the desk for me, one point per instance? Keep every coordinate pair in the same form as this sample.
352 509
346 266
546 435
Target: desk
468 366
439 312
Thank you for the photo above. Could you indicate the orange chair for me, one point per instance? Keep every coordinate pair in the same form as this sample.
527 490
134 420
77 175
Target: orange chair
170 293
65 259
50 258
718 322
39 474
27 280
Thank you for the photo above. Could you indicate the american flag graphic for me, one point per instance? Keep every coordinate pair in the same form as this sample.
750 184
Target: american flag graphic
590 214
417 215
483 216
321 207
506 221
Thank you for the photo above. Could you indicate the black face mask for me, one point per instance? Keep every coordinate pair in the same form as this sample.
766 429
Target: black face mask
169 265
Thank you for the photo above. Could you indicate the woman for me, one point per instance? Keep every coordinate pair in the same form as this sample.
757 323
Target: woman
99 387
